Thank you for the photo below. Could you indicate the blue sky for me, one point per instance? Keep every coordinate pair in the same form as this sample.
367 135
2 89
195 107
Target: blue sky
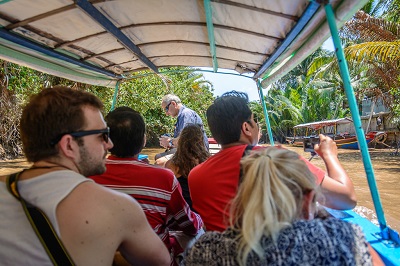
223 83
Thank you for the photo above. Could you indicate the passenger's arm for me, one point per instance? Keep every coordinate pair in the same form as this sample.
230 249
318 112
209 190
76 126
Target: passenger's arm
376 259
337 187
141 245
171 166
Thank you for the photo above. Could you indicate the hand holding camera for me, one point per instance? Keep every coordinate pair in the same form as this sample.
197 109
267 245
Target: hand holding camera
322 145
309 143
165 140
326 147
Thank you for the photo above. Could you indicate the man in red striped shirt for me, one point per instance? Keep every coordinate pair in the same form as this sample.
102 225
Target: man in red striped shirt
155 188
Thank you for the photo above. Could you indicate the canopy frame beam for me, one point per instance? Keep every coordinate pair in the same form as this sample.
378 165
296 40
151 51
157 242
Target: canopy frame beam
300 25
14 38
96 15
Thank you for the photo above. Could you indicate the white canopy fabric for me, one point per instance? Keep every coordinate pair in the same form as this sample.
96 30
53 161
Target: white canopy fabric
100 42
325 123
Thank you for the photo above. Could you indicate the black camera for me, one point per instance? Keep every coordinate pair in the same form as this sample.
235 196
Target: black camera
309 142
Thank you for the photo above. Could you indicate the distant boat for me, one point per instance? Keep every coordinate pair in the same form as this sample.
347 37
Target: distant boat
214 147
329 128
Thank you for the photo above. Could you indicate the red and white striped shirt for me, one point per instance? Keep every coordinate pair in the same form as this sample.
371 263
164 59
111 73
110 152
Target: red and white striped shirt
158 192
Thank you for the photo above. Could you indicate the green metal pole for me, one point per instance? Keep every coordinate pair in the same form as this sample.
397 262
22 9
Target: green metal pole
115 95
344 71
260 93
210 31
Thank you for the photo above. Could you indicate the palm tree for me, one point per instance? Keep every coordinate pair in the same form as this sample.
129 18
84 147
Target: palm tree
375 44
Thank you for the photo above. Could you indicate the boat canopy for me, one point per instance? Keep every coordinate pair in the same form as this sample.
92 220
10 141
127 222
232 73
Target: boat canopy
102 42
326 123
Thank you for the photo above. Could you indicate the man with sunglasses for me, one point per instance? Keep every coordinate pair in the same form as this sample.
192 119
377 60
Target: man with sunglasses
66 138
172 106
214 183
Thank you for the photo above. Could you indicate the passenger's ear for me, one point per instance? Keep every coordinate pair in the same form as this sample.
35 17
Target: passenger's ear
246 129
68 146
144 141
309 206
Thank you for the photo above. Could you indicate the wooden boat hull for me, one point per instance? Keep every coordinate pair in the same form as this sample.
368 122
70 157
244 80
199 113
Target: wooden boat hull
296 142
351 144
342 141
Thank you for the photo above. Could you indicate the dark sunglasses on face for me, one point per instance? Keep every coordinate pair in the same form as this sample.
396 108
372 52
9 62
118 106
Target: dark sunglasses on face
105 133
167 107
255 119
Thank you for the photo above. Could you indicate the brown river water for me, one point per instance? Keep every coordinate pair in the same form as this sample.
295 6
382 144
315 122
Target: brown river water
386 169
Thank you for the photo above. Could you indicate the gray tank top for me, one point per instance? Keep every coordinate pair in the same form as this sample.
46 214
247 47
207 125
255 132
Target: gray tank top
19 243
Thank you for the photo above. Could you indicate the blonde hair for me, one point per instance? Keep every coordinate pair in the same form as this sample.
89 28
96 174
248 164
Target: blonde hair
270 197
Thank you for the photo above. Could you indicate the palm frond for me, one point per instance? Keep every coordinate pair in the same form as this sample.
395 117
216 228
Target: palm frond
317 63
374 51
365 28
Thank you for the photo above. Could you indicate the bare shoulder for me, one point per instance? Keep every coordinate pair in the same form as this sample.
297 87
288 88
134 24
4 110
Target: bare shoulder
92 212
99 207
90 194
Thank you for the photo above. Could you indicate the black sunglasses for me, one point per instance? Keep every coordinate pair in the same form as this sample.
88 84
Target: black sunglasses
167 107
105 133
255 119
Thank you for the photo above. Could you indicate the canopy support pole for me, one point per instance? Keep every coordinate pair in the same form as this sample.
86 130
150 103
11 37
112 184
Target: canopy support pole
260 93
115 95
344 72
370 116
210 31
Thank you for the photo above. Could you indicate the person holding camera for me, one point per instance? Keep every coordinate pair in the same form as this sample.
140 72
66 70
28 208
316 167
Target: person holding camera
214 183
172 106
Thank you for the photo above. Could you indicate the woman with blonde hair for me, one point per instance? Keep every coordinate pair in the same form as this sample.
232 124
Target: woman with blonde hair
272 221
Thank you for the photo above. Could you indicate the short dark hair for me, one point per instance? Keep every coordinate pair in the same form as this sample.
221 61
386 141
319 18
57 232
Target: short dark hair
127 130
49 114
226 116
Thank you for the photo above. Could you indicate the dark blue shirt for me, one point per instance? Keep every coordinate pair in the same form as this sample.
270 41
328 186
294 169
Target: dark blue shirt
188 116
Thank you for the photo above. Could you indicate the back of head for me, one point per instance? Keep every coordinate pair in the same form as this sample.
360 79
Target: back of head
49 114
270 197
226 116
191 150
127 130
170 97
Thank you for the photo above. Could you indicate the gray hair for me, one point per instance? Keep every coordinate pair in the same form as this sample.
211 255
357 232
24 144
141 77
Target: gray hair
169 98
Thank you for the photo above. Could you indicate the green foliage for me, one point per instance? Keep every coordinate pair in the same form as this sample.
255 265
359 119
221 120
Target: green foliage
17 83
313 91
142 93
395 92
